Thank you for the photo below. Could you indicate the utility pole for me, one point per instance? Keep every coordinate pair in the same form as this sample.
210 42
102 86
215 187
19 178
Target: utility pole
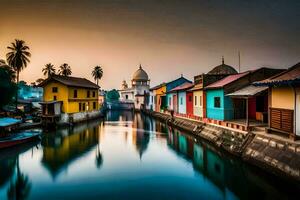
239 62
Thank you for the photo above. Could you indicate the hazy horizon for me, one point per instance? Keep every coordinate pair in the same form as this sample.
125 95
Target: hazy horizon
168 37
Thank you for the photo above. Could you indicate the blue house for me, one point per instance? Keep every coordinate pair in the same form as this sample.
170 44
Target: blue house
219 106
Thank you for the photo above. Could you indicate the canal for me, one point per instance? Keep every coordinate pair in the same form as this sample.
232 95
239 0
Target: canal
129 156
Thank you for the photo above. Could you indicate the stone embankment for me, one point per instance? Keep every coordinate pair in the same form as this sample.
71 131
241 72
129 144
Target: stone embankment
277 156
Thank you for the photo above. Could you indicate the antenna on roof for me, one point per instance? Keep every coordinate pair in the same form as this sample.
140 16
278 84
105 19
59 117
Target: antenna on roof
140 66
223 60
239 61
181 75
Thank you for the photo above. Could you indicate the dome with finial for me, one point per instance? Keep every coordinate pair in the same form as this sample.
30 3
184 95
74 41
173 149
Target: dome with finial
140 75
223 69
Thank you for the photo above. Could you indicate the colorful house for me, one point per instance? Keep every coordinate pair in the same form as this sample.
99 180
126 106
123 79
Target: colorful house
219 106
217 73
284 101
161 98
180 100
69 99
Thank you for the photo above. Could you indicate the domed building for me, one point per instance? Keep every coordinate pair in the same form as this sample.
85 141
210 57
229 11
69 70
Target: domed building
222 69
139 89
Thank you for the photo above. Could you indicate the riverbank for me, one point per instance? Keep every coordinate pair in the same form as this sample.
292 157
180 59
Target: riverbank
277 156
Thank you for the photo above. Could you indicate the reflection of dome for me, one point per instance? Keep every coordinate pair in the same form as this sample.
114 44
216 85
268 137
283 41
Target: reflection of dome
223 69
140 75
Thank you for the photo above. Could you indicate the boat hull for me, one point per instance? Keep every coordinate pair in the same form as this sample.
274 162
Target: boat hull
19 140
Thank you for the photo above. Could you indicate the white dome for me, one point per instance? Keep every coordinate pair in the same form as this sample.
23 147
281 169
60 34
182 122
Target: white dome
140 75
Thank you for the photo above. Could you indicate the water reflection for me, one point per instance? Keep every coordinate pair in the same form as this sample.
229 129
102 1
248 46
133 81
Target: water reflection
64 146
128 156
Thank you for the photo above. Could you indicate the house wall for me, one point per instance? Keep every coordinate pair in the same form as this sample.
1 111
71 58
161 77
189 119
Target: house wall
159 92
198 103
170 101
283 97
182 102
212 112
73 103
189 103
61 94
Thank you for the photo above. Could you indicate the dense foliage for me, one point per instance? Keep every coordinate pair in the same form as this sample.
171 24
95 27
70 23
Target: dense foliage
112 95
7 87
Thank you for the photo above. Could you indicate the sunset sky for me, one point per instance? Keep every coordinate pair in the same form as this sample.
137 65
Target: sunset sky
168 37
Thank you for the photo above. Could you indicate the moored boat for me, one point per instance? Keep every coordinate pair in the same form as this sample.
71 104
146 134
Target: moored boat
19 138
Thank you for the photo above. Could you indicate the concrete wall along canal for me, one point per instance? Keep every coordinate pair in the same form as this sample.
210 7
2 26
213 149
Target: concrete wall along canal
275 156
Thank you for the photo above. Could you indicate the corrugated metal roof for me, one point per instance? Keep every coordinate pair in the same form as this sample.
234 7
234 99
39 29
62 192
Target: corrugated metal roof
184 86
226 80
290 75
248 91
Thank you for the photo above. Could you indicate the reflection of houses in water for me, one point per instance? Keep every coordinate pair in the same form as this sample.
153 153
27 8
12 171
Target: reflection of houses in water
119 115
140 138
227 174
63 147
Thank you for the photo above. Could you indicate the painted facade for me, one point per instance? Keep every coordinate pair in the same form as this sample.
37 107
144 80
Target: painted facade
189 103
182 102
198 103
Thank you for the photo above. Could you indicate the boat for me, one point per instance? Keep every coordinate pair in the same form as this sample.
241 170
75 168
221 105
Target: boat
19 138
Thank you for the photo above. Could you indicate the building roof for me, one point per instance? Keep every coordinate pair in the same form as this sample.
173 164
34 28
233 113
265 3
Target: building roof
222 69
291 75
70 81
184 86
248 91
229 79
140 75
196 87
158 86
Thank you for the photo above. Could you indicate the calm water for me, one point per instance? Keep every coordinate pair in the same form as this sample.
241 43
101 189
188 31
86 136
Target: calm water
127 157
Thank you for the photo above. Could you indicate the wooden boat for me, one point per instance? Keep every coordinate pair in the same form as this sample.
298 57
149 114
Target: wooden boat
19 138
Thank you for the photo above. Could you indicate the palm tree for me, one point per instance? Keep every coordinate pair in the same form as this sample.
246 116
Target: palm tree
65 70
18 58
97 73
48 70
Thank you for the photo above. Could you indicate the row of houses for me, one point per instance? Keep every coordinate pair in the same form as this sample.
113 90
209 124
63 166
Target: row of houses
263 97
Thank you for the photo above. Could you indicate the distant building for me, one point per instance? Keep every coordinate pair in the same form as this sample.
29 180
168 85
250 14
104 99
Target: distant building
69 99
138 93
30 93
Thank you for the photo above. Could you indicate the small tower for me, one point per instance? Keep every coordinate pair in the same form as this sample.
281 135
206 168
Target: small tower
124 85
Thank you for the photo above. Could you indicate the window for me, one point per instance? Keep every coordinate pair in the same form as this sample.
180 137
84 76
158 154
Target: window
200 100
169 100
181 101
75 94
54 98
217 102
79 106
54 89
126 96
88 94
83 106
190 98
94 94
152 99
195 100
94 105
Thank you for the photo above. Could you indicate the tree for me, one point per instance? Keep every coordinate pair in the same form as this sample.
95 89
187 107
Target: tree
39 80
11 72
48 70
7 87
65 70
97 73
18 58
112 95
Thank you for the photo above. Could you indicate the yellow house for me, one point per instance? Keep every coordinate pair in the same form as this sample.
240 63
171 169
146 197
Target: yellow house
159 98
284 101
69 96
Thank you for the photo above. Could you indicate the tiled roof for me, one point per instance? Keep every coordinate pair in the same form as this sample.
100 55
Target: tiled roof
71 81
229 79
196 87
290 75
184 86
